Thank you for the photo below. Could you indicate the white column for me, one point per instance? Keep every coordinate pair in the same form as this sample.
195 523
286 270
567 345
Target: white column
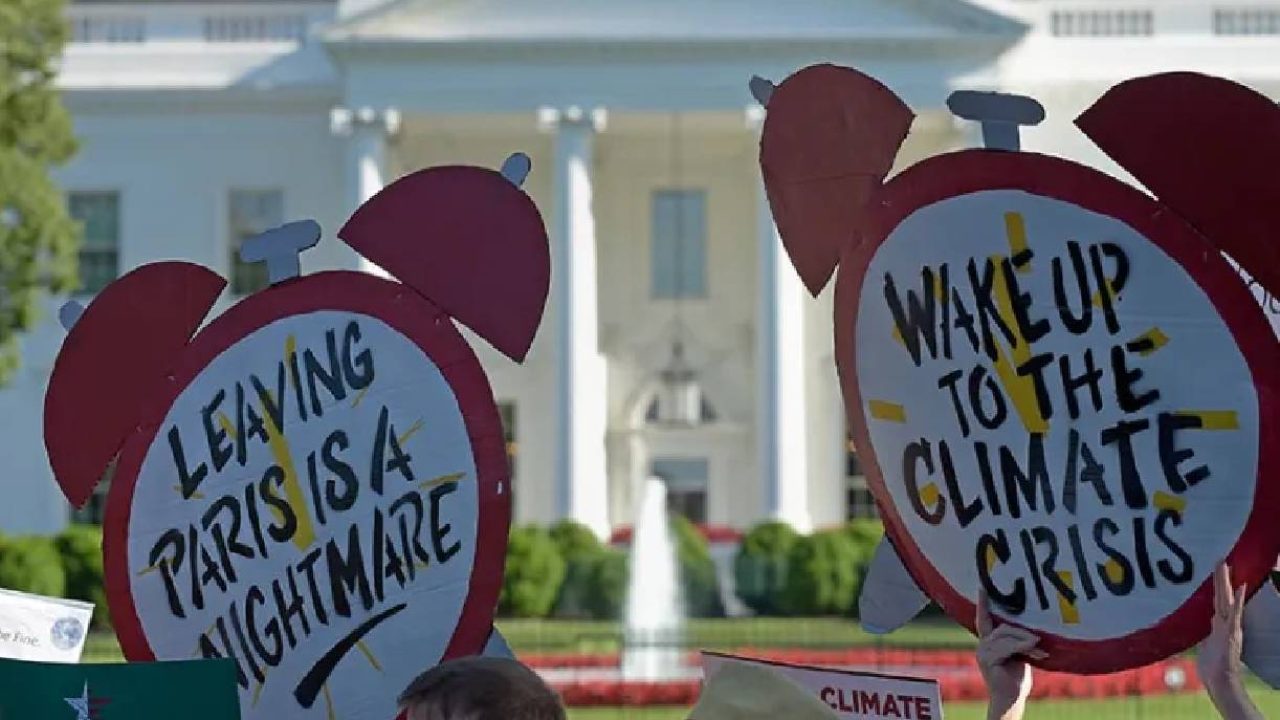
365 165
781 422
581 412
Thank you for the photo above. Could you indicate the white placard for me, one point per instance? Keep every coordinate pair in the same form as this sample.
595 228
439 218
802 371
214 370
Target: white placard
329 545
43 629
1093 493
851 694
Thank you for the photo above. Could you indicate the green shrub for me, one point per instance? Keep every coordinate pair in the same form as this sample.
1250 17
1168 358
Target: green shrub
533 573
81 549
581 551
607 579
698 579
573 539
760 568
822 575
31 564
865 533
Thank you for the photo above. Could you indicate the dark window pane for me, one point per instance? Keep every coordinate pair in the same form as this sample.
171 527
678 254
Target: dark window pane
679 244
99 215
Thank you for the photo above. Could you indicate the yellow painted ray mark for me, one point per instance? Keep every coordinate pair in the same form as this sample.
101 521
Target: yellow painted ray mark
152 568
290 348
225 423
355 402
1167 501
929 495
1070 613
368 655
257 688
195 494
897 336
1015 229
1214 419
1020 389
1114 572
992 558
328 703
441 480
937 289
409 433
887 411
1154 339
305 534
1097 297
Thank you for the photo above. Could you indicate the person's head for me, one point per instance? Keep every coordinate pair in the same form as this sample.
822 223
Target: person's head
480 688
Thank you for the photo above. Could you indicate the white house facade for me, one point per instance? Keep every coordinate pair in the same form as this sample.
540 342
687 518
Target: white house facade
677 340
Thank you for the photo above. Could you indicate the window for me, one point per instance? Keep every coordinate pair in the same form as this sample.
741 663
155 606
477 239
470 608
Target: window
1102 23
507 410
1246 21
679 244
859 502
255 28
99 214
99 28
95 510
686 480
251 212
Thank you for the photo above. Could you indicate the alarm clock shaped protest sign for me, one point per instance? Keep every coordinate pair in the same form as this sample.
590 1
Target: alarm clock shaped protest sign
315 484
1061 391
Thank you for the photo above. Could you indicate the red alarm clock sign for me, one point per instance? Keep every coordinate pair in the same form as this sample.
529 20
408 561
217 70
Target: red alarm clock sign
317 485
1062 393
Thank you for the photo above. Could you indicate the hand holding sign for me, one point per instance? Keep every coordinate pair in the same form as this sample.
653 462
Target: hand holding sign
1000 658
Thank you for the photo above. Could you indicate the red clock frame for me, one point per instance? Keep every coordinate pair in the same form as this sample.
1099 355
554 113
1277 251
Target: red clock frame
960 173
414 317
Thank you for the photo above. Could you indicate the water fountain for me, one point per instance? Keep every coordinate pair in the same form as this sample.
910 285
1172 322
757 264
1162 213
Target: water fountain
653 647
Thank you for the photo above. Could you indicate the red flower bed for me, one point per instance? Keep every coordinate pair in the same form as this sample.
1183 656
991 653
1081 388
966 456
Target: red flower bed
865 657
712 534
960 680
629 694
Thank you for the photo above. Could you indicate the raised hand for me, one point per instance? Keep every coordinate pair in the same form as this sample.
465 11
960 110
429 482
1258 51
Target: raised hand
1002 653
1218 660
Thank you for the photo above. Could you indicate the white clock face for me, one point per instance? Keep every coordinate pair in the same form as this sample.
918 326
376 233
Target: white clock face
308 508
1058 411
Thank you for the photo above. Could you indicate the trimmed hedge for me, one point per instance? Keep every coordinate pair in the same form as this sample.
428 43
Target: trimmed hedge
822 575
760 567
32 564
532 574
593 587
607 581
698 580
779 572
81 550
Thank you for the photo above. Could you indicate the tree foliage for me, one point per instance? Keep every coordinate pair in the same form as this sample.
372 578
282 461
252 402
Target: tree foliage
37 238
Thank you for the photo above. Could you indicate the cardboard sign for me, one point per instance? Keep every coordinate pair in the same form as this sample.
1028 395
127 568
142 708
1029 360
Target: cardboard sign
315 485
851 694
34 627
1061 391
192 690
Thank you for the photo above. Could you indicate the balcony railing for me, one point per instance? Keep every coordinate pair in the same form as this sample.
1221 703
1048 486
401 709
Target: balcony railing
136 23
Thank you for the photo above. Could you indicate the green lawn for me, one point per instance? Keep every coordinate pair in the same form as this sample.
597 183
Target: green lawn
570 636
604 636
531 636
